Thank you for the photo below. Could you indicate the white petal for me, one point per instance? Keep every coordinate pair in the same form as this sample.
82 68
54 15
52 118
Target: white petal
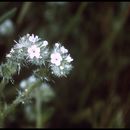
34 51
63 50
33 39
57 44
31 56
8 55
56 59
57 63
69 59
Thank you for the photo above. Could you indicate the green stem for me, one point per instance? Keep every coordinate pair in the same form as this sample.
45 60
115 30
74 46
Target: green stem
38 110
24 10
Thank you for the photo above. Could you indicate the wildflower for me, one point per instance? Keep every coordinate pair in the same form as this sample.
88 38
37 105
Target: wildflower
57 44
12 50
56 59
61 67
63 50
26 41
60 60
8 55
45 43
34 51
33 39
68 59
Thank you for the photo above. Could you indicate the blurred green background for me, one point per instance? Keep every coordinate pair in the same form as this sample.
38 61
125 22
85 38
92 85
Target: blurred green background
96 94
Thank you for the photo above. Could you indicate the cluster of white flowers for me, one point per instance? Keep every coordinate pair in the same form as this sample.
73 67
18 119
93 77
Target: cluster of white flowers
32 49
60 60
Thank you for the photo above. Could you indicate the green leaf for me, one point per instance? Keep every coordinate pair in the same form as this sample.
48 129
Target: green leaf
7 15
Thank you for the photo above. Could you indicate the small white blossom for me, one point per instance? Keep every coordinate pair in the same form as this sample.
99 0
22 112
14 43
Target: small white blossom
23 84
34 51
68 59
57 44
8 55
63 50
12 50
45 43
6 28
61 67
60 61
56 59
33 39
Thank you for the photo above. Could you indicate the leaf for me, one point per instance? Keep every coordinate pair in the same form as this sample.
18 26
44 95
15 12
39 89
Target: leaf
7 15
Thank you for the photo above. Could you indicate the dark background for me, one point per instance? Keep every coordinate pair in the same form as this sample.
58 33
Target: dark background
97 35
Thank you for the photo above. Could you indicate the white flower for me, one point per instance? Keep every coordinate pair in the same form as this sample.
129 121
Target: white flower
57 44
56 58
12 50
45 43
69 59
63 50
33 39
34 51
8 55
60 61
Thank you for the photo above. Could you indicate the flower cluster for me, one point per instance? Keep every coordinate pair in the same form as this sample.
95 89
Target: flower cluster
60 60
34 50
